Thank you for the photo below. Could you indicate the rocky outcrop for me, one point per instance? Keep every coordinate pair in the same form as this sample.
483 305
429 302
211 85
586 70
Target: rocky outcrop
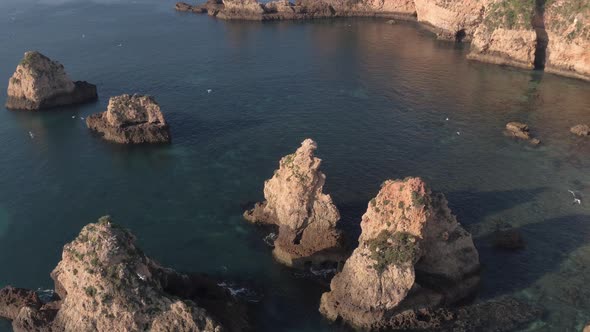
567 24
106 283
131 120
302 9
305 216
412 255
451 20
506 35
580 130
587 328
40 83
521 131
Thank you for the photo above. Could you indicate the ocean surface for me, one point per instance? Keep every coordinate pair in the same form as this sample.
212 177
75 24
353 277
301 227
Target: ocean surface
375 97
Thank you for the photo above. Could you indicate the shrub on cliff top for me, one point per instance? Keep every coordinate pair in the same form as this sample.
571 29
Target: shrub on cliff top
392 249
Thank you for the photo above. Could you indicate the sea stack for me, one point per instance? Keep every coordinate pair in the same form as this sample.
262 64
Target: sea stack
131 120
104 282
41 83
412 255
306 217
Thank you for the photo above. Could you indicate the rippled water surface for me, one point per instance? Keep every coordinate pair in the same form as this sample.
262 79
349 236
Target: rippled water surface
375 97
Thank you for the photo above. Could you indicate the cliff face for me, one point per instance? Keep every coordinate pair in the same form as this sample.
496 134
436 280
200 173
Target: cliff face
451 19
412 254
39 82
567 24
104 282
131 120
506 35
306 217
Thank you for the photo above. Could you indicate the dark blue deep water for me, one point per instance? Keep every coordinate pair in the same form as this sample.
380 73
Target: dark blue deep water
375 97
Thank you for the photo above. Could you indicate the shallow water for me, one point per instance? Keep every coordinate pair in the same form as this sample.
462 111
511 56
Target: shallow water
375 97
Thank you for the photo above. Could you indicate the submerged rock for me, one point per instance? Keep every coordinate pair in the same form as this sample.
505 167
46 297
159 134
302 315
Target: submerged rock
508 239
131 120
521 131
306 217
106 283
580 130
412 254
40 83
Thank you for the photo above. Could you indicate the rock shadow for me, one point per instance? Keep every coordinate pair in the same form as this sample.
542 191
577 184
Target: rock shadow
548 244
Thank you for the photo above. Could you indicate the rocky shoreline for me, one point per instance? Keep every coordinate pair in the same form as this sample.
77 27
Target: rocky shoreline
553 37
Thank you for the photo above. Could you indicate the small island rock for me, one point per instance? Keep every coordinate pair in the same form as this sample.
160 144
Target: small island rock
521 131
306 217
412 254
580 130
106 283
131 120
40 83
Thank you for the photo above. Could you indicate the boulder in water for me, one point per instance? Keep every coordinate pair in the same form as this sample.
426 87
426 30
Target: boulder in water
580 130
131 120
306 217
412 254
41 83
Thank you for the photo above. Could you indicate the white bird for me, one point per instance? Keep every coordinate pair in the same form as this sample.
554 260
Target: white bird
81 118
73 116
31 134
209 90
576 200
447 119
120 45
458 133
141 276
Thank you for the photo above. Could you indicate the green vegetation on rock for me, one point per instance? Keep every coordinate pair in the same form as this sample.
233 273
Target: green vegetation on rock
571 17
511 14
392 249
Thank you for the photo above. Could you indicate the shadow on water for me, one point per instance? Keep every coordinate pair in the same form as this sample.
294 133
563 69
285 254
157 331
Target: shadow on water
471 207
548 245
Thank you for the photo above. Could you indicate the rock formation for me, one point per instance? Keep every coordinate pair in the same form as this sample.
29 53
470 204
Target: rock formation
40 83
412 255
552 35
106 283
587 328
305 216
521 131
452 20
567 24
132 120
506 35
580 130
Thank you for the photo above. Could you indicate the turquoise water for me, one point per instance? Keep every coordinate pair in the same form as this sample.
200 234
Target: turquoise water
375 97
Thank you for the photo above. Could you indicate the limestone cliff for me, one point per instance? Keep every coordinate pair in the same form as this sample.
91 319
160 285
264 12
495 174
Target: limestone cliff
567 26
106 283
451 19
131 120
506 35
306 217
412 254
40 83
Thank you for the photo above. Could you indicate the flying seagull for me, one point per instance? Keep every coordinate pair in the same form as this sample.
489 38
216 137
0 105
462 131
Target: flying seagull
31 134
576 199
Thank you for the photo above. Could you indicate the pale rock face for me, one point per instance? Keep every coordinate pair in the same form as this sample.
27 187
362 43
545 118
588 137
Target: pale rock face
252 6
406 231
37 77
454 19
506 35
296 203
405 7
131 120
568 31
39 82
107 284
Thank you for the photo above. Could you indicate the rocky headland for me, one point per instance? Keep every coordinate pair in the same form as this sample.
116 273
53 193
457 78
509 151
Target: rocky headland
412 255
104 282
306 217
41 83
132 119
520 131
553 35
